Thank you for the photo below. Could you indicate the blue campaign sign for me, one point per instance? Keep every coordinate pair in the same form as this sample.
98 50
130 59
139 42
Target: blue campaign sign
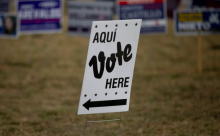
152 13
8 26
40 16
202 22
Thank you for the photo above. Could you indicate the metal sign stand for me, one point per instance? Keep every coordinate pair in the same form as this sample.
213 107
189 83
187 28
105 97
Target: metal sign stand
102 121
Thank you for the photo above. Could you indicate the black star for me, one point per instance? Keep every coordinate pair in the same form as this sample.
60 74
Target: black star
96 26
116 93
116 25
106 93
85 95
136 24
95 94
106 25
126 92
126 24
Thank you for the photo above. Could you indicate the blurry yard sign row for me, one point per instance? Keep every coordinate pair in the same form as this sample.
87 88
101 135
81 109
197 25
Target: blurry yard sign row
4 6
203 22
152 13
109 66
40 16
8 26
82 13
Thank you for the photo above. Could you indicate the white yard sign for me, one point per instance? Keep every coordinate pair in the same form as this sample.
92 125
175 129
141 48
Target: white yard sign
109 66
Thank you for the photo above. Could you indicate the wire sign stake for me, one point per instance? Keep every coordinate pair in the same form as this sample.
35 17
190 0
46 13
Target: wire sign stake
102 121
109 68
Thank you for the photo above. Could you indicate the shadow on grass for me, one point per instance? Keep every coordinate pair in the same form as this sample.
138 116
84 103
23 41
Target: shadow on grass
19 64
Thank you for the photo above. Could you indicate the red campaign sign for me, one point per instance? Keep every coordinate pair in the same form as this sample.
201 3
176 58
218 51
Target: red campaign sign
128 2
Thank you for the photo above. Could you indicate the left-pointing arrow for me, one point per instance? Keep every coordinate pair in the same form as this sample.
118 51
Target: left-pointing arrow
94 104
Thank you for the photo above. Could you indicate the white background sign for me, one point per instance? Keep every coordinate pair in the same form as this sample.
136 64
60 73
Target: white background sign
109 66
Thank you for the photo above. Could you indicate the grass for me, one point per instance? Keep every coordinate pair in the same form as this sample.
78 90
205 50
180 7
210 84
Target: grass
41 78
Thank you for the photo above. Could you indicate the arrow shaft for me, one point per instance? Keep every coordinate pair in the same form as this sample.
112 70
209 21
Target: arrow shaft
108 103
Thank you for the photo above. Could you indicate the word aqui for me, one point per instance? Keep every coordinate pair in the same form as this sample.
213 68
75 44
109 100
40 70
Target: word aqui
104 37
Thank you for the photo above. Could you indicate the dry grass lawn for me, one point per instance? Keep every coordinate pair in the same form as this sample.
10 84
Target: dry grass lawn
41 78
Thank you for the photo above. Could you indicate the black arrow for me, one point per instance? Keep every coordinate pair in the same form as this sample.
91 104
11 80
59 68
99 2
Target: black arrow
94 104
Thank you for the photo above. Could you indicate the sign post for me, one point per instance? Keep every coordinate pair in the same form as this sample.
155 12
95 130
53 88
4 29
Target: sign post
109 67
203 22
199 42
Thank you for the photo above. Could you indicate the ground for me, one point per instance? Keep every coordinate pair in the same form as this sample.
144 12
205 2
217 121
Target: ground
41 78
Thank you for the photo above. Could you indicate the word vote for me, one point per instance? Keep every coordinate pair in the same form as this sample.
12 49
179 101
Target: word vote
125 55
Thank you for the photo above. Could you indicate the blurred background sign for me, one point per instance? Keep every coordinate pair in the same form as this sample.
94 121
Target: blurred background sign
8 26
4 6
114 8
205 4
195 22
190 4
152 13
82 13
40 16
